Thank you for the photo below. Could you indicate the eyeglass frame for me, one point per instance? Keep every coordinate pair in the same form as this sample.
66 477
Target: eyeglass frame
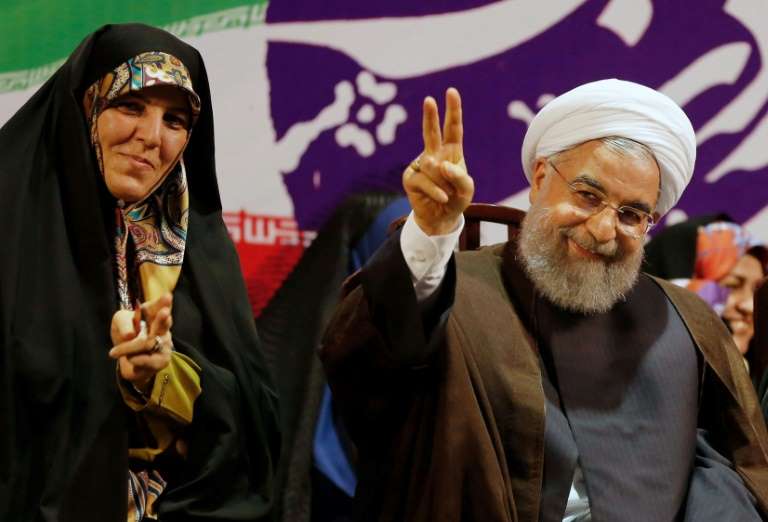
619 209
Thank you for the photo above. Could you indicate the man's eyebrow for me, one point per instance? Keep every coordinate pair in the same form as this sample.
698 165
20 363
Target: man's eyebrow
639 205
595 184
589 180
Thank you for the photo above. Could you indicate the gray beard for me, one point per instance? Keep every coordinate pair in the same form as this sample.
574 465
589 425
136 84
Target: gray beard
580 285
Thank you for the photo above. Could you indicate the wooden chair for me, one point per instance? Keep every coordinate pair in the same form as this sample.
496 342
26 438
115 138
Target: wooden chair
478 212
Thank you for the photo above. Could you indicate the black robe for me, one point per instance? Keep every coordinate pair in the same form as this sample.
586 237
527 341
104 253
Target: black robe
64 427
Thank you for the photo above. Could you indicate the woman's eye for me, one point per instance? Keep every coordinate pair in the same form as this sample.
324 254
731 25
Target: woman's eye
176 121
129 106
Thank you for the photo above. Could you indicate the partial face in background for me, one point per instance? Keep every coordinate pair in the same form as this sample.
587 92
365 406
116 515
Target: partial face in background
142 135
742 281
580 261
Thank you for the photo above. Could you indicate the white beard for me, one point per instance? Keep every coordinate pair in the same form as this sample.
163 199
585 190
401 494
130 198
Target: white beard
580 285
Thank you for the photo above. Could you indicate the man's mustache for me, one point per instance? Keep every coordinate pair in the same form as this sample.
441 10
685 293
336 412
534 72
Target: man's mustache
609 250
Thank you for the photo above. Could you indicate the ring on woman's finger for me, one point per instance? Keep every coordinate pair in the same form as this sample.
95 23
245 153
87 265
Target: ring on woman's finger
158 344
416 165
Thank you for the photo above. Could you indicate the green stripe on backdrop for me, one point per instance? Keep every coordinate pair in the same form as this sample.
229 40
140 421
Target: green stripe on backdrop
36 35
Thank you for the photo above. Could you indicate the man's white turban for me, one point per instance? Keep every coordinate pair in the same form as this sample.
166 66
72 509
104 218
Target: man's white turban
617 108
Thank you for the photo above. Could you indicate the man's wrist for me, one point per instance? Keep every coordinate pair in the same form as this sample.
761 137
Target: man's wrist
439 228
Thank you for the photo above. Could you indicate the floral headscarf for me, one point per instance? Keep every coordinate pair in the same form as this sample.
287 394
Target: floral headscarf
157 224
719 246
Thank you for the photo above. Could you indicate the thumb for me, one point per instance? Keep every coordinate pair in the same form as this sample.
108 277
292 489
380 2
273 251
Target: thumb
122 326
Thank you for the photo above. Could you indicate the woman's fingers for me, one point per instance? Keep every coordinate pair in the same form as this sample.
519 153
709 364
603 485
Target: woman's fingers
122 327
151 308
161 324
133 346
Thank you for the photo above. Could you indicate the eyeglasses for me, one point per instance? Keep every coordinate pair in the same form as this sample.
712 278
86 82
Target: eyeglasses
589 201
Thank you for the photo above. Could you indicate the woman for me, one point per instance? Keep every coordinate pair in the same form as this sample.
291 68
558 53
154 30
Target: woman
131 369
718 260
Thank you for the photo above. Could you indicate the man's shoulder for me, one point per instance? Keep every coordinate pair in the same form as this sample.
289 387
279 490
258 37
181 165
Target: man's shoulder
696 313
489 252
681 295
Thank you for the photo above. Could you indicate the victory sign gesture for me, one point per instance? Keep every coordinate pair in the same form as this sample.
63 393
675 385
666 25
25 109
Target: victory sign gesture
437 183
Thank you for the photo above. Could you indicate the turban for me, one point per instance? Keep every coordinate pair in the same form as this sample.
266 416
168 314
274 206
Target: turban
617 108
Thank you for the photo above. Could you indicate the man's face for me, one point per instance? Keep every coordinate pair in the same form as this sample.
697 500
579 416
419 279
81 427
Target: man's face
582 261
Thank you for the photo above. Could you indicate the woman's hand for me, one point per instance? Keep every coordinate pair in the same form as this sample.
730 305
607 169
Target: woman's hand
141 354
437 183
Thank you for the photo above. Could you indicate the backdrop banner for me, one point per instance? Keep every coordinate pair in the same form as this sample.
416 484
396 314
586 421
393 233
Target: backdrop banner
314 101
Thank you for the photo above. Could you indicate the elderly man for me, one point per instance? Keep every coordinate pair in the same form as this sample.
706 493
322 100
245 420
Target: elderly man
546 378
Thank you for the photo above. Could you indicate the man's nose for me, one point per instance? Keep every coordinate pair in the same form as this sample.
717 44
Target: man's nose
602 225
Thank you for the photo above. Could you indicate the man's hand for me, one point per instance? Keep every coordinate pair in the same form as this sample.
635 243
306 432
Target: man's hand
437 183
142 354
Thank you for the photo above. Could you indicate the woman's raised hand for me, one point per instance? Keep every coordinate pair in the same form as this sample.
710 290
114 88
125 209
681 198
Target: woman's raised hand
437 183
142 351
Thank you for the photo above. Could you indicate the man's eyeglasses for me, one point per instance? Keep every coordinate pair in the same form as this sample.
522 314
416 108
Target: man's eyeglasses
589 201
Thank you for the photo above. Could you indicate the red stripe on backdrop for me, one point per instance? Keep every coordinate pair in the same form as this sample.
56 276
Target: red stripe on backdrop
269 248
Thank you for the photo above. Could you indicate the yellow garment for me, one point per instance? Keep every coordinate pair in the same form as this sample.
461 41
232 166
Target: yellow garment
170 405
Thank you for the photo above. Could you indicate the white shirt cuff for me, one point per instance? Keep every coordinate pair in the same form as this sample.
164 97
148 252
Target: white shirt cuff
427 256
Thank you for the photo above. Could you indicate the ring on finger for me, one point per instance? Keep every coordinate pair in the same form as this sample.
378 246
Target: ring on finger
157 345
416 164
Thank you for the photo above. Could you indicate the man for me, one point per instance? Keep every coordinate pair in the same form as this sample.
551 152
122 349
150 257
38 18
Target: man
546 378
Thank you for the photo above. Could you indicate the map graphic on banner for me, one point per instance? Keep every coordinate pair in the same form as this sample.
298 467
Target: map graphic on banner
316 101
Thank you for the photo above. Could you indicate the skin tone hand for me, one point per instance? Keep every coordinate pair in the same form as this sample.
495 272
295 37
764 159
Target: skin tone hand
437 184
133 348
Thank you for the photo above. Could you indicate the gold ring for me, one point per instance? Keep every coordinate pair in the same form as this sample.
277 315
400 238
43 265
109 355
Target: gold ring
157 345
415 165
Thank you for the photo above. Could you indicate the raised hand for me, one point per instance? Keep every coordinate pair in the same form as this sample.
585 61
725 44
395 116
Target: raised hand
437 183
141 352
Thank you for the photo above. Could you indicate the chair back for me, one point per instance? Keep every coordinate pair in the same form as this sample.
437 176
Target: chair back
479 212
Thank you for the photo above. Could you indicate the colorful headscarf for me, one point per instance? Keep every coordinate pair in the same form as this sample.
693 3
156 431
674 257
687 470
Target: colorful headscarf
719 246
157 224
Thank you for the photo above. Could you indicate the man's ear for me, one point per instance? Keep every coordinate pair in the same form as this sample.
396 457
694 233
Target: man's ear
537 178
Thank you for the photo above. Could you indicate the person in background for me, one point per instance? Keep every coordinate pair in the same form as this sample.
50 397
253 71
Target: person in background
316 476
132 384
720 261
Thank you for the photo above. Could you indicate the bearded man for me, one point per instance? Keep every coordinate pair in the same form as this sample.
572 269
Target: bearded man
546 378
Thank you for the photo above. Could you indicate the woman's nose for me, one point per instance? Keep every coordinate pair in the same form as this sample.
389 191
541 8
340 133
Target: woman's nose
745 304
149 128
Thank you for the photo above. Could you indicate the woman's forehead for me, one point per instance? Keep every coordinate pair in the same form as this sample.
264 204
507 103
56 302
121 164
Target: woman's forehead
168 96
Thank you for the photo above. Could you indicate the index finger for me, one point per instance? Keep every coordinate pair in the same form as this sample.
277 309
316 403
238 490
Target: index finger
430 126
150 309
453 127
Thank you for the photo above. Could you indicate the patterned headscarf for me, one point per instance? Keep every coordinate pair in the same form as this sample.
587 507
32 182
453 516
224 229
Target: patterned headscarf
719 246
157 224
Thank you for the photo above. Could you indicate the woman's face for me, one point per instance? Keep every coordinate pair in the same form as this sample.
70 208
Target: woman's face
142 134
742 281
